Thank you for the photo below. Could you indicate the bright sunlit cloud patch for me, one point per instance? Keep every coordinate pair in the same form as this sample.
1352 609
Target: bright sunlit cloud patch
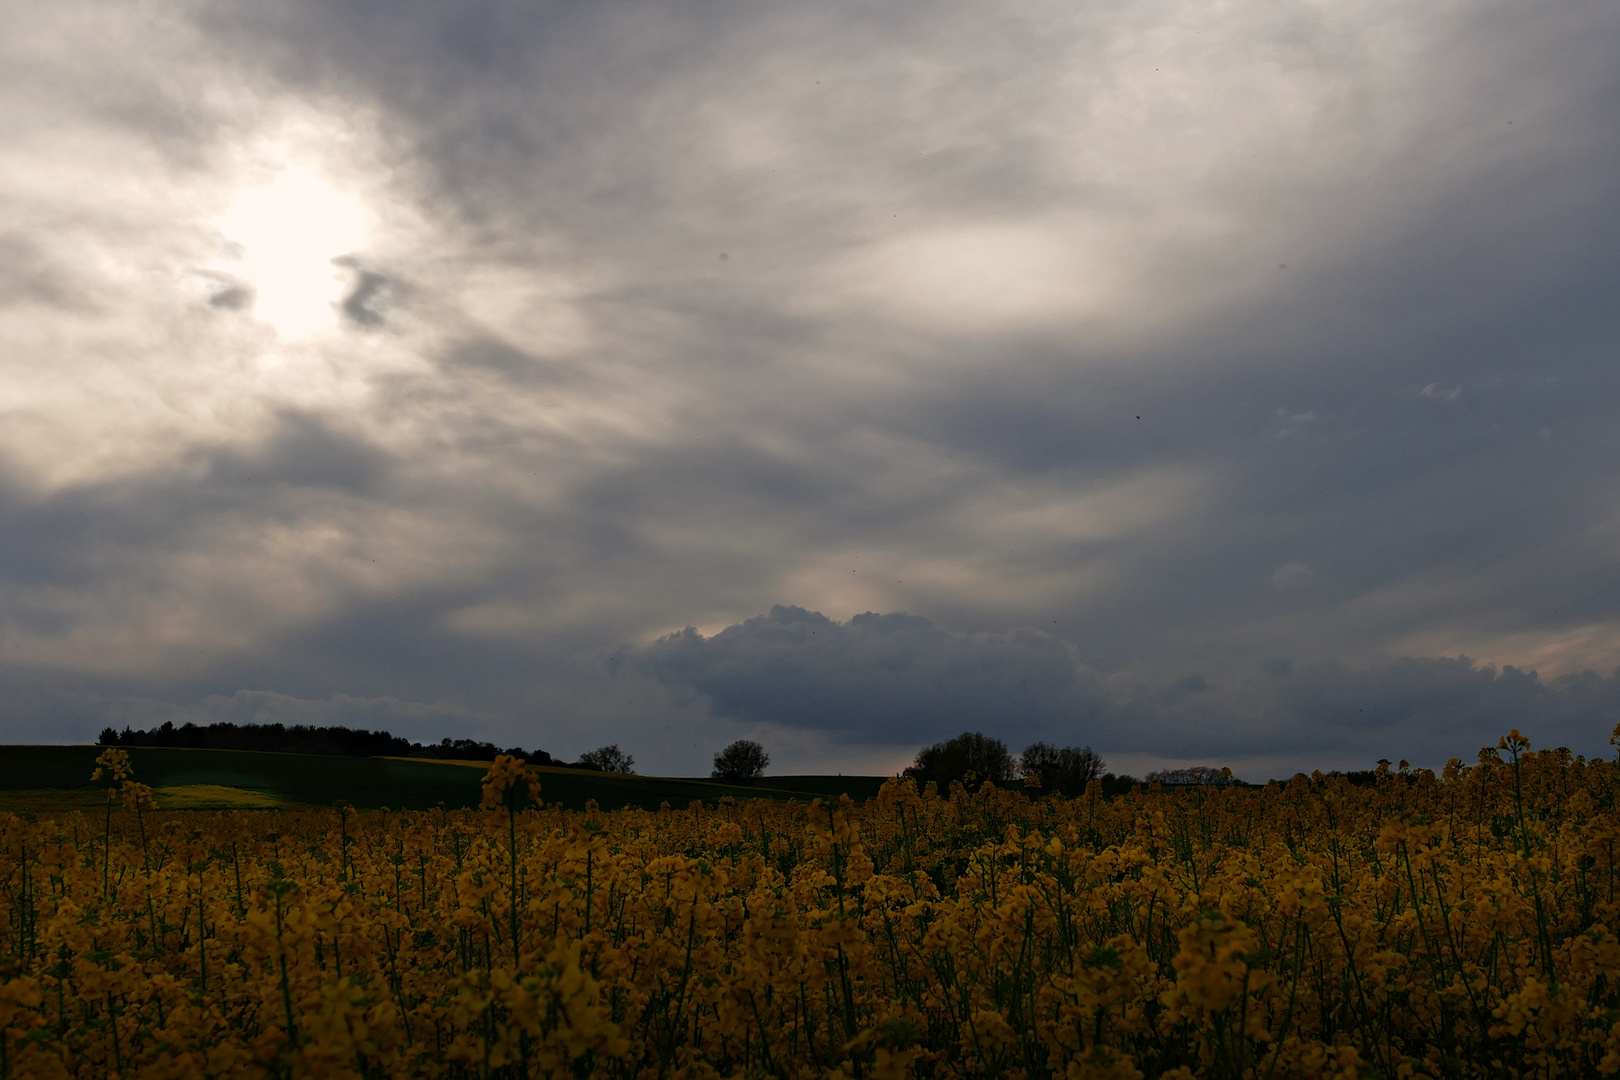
986 276
287 234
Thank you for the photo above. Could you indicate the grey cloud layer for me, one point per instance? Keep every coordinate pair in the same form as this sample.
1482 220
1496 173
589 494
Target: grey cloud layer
891 678
1191 340
40 710
901 679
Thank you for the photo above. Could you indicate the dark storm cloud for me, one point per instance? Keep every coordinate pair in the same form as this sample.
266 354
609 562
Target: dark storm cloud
230 297
59 538
500 358
370 295
901 678
397 645
302 451
37 708
1241 355
28 276
1460 284
1428 709
87 570
880 678
1371 484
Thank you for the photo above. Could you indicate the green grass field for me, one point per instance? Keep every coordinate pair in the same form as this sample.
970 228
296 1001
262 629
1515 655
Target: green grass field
52 778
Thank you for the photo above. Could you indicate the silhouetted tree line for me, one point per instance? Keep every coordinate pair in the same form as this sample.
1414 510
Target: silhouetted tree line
1191 775
306 739
974 758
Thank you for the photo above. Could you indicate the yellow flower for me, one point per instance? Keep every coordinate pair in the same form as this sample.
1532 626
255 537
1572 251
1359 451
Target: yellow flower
506 783
113 763
137 796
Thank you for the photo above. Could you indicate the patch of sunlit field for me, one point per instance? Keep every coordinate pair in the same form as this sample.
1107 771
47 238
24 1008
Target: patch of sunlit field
35 801
1452 925
214 797
50 800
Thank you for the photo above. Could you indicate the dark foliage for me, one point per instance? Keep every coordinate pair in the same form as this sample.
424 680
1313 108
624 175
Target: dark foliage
1066 771
304 739
1118 785
608 759
743 761
473 750
972 757
1192 775
1357 777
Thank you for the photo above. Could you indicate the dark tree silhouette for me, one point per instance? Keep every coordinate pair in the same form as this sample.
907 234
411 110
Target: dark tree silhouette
305 739
1192 774
1066 771
607 759
741 762
972 757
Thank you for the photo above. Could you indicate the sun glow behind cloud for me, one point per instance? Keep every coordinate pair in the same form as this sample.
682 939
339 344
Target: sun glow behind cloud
287 235
508 340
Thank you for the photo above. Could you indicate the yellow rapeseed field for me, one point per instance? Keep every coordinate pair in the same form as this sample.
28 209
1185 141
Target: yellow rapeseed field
1463 924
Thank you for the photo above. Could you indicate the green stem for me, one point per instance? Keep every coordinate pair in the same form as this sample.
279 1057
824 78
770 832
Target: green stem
106 848
202 944
511 835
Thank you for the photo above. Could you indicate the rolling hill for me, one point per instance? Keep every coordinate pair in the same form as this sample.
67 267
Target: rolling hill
57 777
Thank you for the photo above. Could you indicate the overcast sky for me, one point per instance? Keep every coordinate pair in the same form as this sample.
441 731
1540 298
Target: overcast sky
1229 383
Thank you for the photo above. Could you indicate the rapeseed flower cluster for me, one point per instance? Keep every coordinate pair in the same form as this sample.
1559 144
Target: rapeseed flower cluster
1464 924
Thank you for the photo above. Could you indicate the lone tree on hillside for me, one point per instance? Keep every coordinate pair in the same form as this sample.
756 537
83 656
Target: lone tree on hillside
607 759
971 752
1066 771
741 762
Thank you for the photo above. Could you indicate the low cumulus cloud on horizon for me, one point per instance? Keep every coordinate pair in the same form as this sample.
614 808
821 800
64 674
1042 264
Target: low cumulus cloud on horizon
878 677
1202 383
